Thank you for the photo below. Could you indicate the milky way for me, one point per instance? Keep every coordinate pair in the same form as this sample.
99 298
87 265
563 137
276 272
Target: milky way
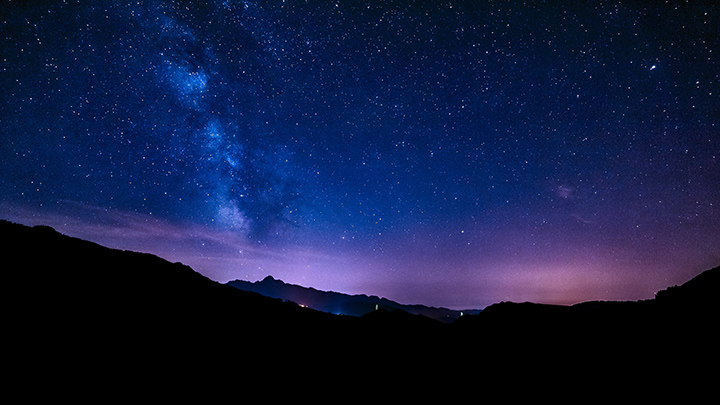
453 153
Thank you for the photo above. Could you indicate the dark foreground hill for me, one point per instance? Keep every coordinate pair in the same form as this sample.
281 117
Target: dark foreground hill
79 314
338 303
71 302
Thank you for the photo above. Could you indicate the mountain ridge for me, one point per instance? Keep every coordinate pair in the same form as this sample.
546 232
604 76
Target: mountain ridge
341 303
79 311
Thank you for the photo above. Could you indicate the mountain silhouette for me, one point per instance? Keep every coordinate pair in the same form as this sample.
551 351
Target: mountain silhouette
339 303
81 303
119 320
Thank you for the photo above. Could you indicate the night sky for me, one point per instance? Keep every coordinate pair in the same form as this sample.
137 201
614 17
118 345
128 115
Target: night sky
447 153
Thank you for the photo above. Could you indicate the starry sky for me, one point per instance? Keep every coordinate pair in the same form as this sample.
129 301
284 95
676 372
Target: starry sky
448 153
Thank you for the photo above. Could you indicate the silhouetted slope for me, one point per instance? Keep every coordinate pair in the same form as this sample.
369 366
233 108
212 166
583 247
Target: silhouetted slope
75 302
86 280
679 324
700 291
77 311
338 303
79 299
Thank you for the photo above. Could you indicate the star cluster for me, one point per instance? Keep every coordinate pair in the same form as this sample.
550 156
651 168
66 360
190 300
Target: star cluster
453 153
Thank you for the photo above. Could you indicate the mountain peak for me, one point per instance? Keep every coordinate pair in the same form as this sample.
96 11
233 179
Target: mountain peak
271 280
338 303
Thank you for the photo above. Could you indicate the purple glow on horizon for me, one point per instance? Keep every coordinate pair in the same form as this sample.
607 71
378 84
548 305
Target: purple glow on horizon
513 273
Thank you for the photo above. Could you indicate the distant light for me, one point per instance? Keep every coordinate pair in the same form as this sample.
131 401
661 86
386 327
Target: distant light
652 67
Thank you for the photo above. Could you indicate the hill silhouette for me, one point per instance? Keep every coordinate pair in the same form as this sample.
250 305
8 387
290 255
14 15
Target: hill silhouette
339 303
78 310
81 303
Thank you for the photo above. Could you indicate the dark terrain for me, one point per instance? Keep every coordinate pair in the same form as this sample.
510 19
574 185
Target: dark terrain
77 310
338 303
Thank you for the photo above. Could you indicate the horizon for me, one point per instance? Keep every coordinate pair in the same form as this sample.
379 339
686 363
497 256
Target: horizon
452 154
98 235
